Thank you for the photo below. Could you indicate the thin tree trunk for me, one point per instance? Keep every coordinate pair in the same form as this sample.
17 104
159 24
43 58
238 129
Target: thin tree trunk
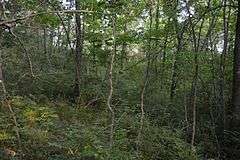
196 44
155 60
142 94
79 49
179 35
236 73
143 89
163 56
175 60
213 116
164 51
51 45
109 99
221 112
45 46
124 47
3 9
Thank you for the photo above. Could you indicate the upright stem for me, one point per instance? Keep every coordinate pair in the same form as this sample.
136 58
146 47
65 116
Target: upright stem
124 47
79 49
179 33
109 99
221 119
46 46
196 44
143 88
234 113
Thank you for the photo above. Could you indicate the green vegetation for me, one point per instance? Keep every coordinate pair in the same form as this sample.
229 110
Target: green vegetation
119 80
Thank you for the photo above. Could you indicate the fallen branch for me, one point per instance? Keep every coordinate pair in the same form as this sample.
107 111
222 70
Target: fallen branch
91 102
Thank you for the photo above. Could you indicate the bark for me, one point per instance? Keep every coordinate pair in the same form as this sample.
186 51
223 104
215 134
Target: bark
236 73
221 111
234 115
196 41
109 99
79 50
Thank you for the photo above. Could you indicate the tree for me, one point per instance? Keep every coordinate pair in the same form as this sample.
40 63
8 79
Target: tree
234 117
79 49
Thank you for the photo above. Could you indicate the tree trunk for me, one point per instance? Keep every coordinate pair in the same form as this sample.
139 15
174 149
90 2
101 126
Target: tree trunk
175 60
45 46
109 99
124 47
79 50
221 111
143 89
236 74
234 114
196 44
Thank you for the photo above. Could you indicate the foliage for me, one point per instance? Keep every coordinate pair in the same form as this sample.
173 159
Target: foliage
169 65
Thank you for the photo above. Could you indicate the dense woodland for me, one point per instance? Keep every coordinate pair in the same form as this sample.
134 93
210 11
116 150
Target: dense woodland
120 80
